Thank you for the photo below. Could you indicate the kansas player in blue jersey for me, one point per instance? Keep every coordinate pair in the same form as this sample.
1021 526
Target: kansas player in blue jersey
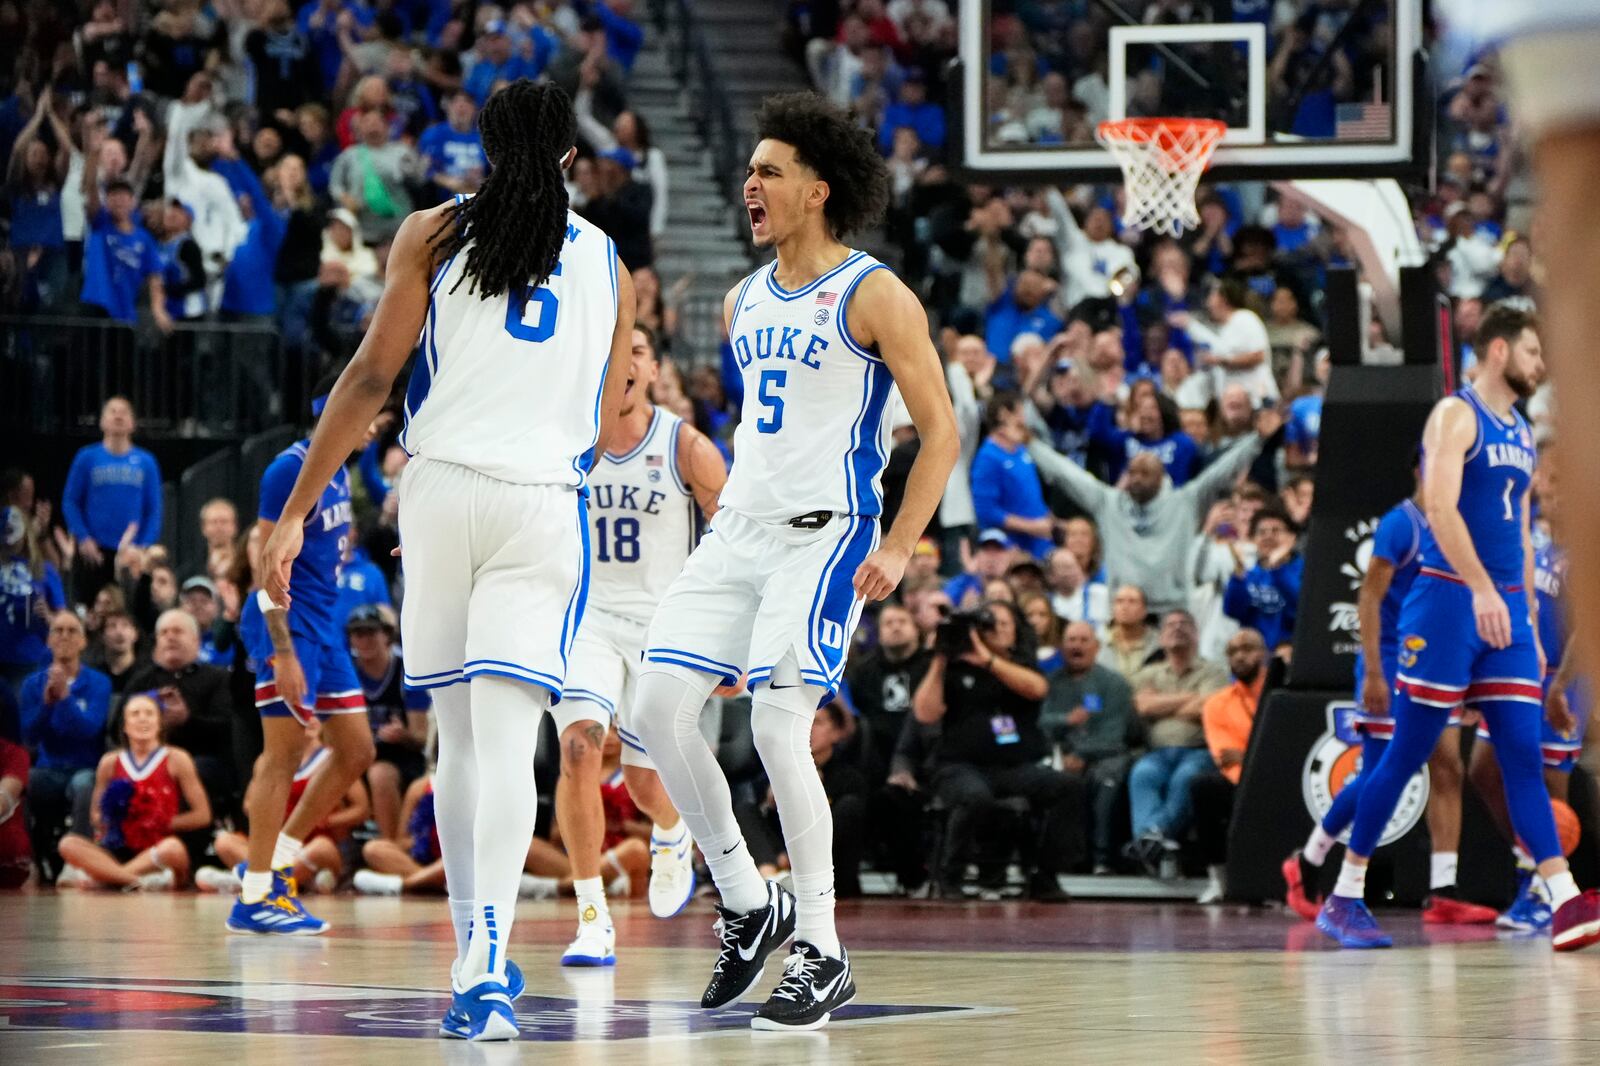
303 673
1396 558
821 337
1478 565
1565 699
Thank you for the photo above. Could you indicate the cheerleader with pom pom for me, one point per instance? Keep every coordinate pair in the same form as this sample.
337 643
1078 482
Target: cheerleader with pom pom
145 794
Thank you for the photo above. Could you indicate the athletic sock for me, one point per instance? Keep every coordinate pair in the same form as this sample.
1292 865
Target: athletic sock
505 735
668 837
591 892
255 886
1561 888
780 720
461 923
666 709
533 886
1317 848
1442 871
1352 883
286 851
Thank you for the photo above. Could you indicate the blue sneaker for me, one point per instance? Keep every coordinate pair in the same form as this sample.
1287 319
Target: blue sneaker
482 1012
1350 923
515 984
1529 912
284 888
277 915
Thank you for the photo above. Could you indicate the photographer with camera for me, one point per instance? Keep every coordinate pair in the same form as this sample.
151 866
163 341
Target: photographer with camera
984 692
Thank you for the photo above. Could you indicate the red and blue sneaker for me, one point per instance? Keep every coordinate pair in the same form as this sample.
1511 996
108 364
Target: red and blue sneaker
1350 923
1296 872
1576 923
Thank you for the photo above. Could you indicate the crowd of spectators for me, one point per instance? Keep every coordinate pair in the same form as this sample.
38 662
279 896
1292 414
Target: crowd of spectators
1068 676
246 163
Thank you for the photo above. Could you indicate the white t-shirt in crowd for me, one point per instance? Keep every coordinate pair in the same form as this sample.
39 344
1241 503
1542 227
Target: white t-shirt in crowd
1242 333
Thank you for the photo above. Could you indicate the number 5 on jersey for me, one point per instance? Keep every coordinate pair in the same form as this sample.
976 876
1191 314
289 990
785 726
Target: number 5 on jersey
767 393
533 317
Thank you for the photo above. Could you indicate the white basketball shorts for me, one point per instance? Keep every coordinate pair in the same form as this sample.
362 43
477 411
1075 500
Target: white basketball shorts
601 674
496 576
754 591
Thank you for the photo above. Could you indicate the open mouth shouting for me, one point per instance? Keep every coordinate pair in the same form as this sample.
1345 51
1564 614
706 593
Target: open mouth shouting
758 216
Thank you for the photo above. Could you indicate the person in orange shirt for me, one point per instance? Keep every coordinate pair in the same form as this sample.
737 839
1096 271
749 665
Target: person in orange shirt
1227 718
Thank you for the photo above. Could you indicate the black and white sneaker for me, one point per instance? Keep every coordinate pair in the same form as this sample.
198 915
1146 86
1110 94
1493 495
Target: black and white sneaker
747 940
813 987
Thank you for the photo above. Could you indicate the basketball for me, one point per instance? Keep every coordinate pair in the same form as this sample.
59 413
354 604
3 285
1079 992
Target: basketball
1568 830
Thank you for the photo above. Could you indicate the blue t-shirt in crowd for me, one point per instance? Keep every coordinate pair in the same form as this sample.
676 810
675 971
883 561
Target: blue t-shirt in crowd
361 584
69 734
480 81
926 121
115 266
325 39
106 492
1304 427
451 152
243 290
36 220
1005 482
1177 452
1266 600
1005 321
22 631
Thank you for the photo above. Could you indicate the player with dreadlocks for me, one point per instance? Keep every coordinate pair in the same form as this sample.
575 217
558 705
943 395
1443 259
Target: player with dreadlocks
525 318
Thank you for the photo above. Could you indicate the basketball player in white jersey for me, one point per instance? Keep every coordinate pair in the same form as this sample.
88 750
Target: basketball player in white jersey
526 318
776 587
643 495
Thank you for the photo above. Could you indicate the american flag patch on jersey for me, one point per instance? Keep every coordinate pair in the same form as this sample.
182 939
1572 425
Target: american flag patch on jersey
652 460
827 299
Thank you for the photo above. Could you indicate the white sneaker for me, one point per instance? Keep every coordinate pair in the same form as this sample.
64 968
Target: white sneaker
74 877
596 942
160 881
325 881
216 879
533 886
372 883
671 874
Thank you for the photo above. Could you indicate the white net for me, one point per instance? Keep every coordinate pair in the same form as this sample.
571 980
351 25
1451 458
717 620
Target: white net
1161 160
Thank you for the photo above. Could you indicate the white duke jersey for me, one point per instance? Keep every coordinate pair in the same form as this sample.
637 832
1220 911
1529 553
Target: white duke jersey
641 523
814 432
510 387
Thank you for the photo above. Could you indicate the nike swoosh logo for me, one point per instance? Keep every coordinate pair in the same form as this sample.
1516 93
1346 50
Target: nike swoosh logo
729 850
751 307
774 685
823 993
772 917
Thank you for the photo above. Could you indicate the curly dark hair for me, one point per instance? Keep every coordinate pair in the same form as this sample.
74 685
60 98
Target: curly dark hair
517 222
830 142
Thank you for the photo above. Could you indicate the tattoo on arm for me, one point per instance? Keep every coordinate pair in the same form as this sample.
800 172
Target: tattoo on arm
278 629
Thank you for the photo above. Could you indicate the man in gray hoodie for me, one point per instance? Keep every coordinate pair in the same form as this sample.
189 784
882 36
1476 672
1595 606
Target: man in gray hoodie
1147 526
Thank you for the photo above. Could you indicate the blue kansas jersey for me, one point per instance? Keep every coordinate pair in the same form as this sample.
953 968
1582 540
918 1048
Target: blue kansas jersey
1549 575
1494 485
314 581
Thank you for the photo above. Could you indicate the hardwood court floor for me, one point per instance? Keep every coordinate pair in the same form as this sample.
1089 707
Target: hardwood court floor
131 979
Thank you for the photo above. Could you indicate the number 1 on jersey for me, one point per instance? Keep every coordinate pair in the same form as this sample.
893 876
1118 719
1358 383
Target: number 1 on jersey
766 392
1506 498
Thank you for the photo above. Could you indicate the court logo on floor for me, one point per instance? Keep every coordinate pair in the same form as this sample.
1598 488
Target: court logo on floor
70 1003
1336 758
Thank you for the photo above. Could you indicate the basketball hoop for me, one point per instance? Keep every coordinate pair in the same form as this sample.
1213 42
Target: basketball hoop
1162 160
